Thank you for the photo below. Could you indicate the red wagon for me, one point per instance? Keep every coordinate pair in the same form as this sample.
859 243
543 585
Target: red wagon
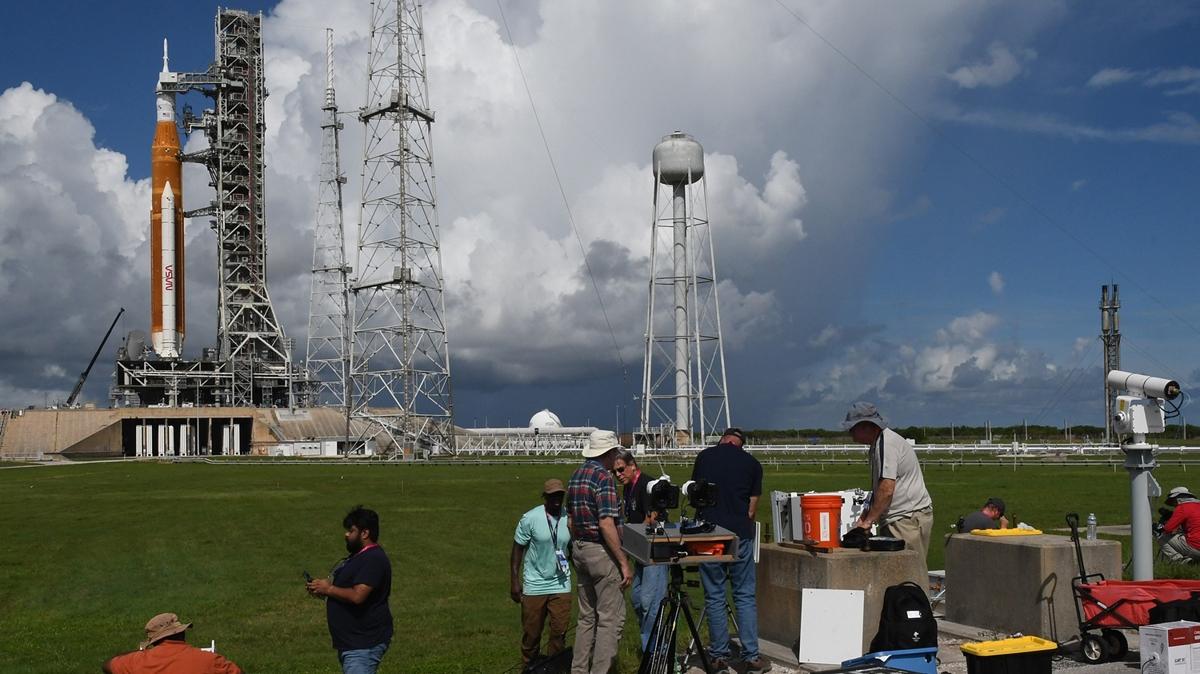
1114 605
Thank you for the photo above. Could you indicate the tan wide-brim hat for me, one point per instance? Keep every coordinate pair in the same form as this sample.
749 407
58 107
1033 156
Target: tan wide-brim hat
600 443
553 486
162 626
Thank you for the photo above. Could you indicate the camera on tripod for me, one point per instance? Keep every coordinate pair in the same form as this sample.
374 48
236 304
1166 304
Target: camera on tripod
691 540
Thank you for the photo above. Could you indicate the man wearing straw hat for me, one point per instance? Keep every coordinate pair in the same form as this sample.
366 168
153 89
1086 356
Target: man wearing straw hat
166 650
601 567
900 503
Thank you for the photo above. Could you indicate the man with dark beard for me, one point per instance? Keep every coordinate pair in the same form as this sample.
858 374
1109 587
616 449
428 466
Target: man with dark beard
356 605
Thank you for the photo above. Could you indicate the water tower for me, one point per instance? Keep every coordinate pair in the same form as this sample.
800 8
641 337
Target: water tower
683 379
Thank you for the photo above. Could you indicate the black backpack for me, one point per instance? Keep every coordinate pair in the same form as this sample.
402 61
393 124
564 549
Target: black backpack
906 620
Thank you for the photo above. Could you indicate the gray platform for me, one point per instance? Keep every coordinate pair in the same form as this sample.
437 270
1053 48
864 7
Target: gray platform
1021 583
784 572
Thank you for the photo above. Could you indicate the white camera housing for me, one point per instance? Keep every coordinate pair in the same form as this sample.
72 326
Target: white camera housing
1143 386
1138 415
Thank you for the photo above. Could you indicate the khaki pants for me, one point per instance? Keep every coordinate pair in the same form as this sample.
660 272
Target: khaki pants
601 609
534 611
915 528
1176 549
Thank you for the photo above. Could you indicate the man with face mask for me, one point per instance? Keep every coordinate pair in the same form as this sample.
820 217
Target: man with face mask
356 605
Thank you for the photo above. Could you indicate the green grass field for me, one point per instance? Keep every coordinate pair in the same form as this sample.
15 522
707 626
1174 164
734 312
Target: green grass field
92 551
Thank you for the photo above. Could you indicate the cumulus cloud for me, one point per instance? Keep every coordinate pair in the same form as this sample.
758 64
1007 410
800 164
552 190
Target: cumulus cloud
520 305
73 244
932 377
996 283
1000 67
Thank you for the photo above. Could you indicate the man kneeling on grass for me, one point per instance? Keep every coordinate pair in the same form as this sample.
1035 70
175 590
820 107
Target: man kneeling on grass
166 650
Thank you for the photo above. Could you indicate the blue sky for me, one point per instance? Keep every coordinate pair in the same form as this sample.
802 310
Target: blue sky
940 254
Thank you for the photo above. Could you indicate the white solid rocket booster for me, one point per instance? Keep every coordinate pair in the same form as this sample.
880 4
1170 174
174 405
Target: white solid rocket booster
170 342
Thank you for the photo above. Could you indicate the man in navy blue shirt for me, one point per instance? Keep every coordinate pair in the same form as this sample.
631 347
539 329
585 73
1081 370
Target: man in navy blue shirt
738 477
356 605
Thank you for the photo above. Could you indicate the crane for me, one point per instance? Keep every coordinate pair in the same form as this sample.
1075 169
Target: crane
84 375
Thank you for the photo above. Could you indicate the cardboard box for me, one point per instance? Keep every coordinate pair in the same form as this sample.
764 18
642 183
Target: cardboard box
1170 648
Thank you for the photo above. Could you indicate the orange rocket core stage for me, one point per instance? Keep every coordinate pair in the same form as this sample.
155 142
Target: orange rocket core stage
165 166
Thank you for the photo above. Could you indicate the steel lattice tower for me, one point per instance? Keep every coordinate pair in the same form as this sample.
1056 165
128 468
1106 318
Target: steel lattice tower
1110 337
684 398
401 360
250 339
328 318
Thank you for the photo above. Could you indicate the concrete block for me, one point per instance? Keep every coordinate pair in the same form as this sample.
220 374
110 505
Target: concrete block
784 572
1021 583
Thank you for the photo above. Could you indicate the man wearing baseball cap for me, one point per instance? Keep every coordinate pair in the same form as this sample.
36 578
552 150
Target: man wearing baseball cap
990 516
900 503
602 570
166 650
540 575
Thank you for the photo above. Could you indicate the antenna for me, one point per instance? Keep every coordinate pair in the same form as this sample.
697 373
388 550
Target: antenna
329 339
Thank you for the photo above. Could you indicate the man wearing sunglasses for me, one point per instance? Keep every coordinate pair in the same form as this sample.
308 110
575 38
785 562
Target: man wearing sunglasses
649 582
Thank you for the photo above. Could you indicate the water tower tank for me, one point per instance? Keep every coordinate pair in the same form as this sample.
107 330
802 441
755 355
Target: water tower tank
678 159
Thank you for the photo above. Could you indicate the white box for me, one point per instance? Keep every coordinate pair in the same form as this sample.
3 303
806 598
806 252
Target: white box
1170 648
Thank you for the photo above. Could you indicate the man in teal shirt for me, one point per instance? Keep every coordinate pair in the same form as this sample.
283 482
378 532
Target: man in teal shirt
540 573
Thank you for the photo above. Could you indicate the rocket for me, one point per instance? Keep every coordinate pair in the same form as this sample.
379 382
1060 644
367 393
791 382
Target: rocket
166 224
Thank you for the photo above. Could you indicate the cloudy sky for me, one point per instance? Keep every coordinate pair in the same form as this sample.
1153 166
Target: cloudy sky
913 203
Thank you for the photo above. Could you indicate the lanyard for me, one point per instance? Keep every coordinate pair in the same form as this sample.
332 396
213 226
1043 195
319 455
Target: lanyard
553 529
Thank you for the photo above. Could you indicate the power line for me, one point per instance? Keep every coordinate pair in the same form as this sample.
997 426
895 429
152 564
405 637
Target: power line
1003 182
563 193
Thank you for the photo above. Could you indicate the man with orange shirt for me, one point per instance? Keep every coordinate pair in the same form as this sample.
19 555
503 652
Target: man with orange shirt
166 650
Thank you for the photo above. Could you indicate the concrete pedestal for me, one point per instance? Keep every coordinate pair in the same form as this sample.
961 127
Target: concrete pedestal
784 572
1021 583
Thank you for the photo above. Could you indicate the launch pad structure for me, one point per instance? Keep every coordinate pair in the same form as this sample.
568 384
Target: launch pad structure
377 347
252 362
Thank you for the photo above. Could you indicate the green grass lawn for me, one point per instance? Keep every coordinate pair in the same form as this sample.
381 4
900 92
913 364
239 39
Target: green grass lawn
92 551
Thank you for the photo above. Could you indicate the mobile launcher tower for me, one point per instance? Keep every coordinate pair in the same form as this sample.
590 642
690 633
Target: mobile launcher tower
252 362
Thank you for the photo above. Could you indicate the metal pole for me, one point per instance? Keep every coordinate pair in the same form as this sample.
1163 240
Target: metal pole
1139 461
680 272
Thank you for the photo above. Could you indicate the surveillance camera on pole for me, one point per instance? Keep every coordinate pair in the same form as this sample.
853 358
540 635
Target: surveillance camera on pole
1138 413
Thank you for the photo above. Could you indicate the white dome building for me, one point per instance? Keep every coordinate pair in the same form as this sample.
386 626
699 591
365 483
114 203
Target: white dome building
545 419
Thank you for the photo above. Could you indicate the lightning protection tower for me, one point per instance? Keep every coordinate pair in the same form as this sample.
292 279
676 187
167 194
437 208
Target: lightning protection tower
328 317
401 359
1110 337
684 398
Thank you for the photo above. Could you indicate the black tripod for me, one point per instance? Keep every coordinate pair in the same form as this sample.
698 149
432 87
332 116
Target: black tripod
659 657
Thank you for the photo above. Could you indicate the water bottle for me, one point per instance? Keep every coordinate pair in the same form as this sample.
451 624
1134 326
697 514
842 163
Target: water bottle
1091 526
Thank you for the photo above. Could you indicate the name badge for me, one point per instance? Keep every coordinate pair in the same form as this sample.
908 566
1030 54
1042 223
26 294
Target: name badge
563 565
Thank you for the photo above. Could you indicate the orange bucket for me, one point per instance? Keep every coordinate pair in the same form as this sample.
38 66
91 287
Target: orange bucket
821 514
